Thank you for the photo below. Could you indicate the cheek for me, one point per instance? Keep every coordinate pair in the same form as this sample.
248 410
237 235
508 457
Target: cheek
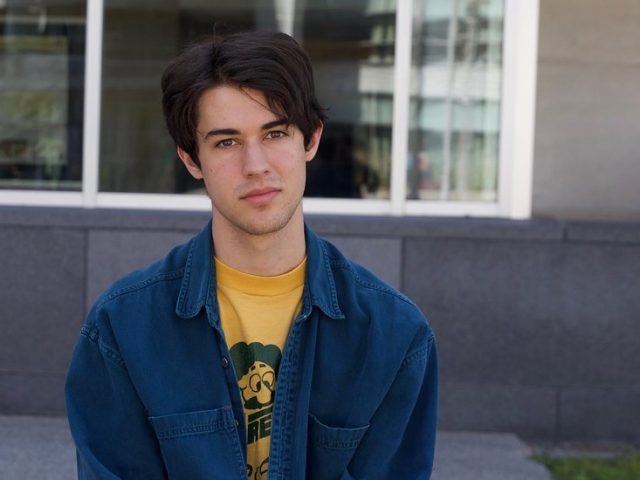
219 174
294 164
289 153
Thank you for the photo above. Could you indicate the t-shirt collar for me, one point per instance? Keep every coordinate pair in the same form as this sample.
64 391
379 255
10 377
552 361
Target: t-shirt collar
198 283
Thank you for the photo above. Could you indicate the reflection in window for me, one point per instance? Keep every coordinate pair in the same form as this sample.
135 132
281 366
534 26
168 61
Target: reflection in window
351 46
353 63
140 39
41 94
455 104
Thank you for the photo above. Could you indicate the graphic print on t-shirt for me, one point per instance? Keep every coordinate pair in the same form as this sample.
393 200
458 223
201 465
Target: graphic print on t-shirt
256 366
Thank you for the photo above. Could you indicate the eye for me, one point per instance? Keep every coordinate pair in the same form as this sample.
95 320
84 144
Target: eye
276 134
269 380
254 382
226 143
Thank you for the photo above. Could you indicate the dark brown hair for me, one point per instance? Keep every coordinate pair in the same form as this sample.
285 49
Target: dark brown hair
270 62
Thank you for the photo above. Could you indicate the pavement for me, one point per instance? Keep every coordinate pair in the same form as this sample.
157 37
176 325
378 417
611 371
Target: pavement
40 448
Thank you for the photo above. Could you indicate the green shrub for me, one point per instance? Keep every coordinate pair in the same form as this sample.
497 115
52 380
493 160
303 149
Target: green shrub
623 467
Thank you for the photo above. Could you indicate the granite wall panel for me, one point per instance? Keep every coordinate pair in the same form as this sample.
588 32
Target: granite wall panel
41 297
32 393
528 410
380 255
492 305
114 253
601 413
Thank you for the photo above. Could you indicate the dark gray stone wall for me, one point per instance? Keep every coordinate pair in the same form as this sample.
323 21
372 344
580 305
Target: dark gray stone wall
538 322
541 337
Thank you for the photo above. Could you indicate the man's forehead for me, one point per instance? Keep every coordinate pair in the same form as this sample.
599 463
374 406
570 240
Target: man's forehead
228 95
229 107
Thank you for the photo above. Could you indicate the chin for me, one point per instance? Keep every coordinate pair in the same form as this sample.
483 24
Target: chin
268 221
265 228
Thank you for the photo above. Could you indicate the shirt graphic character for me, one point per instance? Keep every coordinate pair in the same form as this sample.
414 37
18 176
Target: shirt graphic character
256 367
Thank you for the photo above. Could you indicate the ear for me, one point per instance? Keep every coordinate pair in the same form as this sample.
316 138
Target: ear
312 148
191 166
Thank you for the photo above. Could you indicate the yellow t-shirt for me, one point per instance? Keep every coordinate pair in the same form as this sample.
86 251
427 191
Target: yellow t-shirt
256 313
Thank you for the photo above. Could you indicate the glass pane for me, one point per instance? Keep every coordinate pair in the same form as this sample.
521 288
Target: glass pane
455 100
353 63
351 44
41 94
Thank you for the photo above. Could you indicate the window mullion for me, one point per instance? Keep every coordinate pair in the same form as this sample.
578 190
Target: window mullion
517 127
401 99
92 93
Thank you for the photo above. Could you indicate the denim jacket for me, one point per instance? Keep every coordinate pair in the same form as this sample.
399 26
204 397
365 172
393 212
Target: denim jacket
151 392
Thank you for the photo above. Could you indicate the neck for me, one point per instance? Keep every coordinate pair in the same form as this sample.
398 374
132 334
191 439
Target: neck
266 254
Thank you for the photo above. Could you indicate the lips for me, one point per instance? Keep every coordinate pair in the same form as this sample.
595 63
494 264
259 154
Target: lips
260 196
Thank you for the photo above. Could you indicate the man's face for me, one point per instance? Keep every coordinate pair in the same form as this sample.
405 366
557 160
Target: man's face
252 163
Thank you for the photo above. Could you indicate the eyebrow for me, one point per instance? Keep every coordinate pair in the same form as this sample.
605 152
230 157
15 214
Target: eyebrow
233 131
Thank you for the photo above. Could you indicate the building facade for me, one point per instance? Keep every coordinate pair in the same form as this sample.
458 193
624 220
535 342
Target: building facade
479 155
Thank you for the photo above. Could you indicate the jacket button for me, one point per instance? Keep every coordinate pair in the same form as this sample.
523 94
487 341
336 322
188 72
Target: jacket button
225 362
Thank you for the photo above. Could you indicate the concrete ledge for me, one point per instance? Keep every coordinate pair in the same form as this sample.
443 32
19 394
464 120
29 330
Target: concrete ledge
102 218
603 232
336 225
36 447
40 447
430 227
484 456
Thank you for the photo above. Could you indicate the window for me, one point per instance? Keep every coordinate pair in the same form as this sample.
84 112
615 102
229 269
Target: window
353 63
136 155
455 100
430 102
41 95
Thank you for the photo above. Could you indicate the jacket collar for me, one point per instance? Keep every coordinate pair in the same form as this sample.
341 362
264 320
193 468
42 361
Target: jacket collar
198 282
198 287
320 284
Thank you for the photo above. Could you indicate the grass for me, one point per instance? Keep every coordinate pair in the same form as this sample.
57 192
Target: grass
622 467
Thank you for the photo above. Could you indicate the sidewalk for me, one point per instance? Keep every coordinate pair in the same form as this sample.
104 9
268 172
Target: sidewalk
40 448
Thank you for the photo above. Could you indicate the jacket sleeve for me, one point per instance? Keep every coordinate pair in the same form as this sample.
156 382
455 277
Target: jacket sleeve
400 441
113 437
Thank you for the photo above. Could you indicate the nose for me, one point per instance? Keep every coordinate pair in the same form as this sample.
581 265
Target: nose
255 161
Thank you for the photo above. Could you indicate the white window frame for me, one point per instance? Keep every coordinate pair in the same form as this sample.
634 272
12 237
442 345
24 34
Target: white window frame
520 42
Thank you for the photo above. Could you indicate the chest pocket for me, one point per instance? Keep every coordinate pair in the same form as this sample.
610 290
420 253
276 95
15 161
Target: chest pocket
200 445
330 449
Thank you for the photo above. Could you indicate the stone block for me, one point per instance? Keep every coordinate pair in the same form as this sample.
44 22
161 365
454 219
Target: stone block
538 313
598 334
32 394
526 410
491 305
383 256
600 413
604 232
41 297
114 253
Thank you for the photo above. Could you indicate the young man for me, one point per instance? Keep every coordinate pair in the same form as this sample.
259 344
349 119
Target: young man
256 349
